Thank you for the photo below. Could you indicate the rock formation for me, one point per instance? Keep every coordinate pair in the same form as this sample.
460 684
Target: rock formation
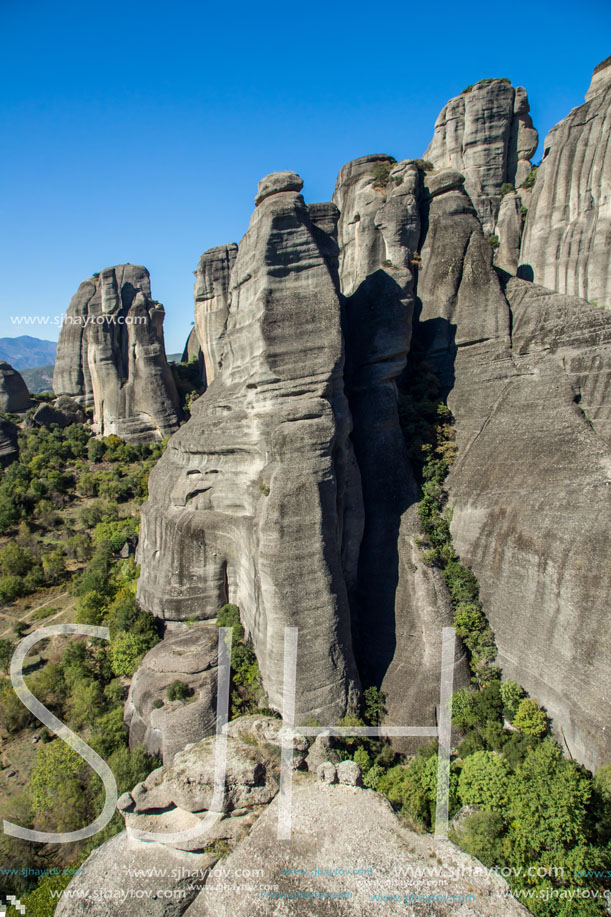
63 412
568 230
486 133
326 836
111 355
211 295
252 498
189 655
530 487
14 395
9 448
399 605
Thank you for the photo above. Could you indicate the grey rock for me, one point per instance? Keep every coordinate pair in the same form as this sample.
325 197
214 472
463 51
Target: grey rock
114 878
345 845
322 751
349 772
508 229
530 467
193 351
64 411
252 497
268 730
399 605
111 354
9 445
439 182
566 239
189 656
487 135
14 395
277 182
211 297
327 772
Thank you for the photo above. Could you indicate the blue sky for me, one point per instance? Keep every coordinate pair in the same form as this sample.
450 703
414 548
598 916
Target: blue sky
138 131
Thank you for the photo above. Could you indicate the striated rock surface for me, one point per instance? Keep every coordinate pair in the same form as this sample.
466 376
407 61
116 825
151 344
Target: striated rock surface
9 448
111 354
14 395
566 244
485 133
254 498
399 605
164 727
211 296
530 488
332 866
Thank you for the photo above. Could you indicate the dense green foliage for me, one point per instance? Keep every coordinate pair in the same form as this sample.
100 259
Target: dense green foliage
246 683
531 178
506 188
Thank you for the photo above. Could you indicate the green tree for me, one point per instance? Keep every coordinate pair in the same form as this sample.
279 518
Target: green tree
126 651
6 651
512 694
484 781
57 787
530 718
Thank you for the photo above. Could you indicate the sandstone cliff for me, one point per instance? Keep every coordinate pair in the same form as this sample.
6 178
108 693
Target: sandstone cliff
255 498
211 296
111 355
566 244
487 134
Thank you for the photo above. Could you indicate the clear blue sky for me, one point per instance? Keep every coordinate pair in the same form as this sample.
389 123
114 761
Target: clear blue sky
137 131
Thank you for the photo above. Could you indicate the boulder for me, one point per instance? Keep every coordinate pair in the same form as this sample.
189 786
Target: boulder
276 183
111 355
14 395
186 654
64 411
347 844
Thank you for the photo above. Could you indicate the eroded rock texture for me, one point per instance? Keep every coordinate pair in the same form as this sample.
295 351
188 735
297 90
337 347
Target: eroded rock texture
567 240
254 499
111 354
211 295
9 447
530 488
399 605
14 395
486 133
164 727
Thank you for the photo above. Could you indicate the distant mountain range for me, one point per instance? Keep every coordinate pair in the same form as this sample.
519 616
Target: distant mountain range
26 352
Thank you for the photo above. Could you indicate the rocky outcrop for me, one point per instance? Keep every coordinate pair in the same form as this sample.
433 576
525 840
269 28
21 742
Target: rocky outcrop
254 499
211 296
164 727
399 606
566 240
64 411
14 395
9 447
530 487
486 133
111 354
332 866
193 351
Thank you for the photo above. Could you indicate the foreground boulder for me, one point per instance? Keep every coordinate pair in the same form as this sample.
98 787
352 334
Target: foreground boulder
14 395
566 240
111 355
348 855
64 411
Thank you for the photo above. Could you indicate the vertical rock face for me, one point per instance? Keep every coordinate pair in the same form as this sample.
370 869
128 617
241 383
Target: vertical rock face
487 134
566 244
111 353
211 295
399 605
255 498
9 448
14 395
530 488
